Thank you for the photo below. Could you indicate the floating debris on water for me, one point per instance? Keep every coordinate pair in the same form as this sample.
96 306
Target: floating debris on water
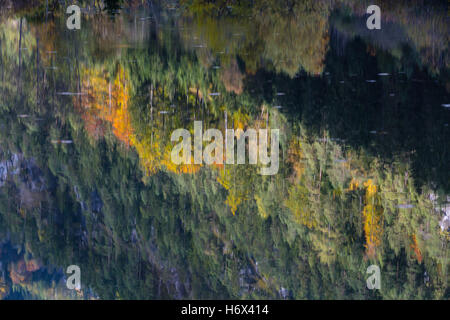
405 206
281 94
381 74
337 139
331 139
71 93
62 141
446 105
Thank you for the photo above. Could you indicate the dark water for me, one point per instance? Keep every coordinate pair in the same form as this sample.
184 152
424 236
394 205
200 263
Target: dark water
86 176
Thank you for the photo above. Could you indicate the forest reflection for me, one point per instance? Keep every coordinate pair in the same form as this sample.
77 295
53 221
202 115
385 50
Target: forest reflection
86 176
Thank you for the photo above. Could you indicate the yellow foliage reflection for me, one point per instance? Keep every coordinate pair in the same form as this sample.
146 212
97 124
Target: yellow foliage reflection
373 218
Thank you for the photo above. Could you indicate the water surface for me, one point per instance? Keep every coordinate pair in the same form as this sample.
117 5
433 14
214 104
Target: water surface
86 176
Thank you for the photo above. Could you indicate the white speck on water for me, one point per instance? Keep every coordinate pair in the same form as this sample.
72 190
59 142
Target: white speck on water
70 93
214 94
446 105
405 206
381 74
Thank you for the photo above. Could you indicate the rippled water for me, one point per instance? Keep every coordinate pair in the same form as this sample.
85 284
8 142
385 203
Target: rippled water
87 177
